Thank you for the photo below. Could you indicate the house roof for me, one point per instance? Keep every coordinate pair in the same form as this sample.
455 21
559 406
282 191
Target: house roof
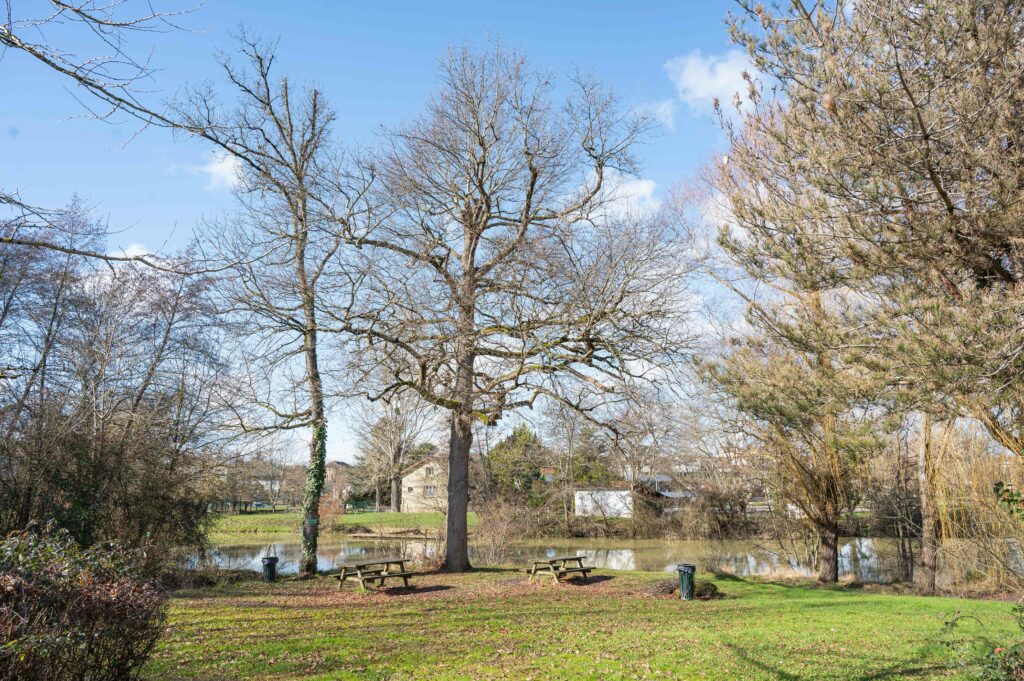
678 495
613 486
339 463
425 460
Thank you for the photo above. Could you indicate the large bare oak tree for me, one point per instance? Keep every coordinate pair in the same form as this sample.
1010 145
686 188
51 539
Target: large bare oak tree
504 263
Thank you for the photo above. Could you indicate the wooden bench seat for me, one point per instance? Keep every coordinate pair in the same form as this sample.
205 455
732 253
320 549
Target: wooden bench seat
582 570
385 575
559 567
375 576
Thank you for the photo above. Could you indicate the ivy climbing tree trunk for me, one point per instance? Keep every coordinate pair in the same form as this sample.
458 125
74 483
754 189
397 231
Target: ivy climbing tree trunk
396 481
282 256
311 501
317 470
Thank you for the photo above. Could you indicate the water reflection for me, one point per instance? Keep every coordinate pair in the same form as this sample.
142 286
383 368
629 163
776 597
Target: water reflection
867 560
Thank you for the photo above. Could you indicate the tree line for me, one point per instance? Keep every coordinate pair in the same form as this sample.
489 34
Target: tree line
482 260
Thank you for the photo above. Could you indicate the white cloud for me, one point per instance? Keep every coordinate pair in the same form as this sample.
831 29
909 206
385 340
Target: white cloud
664 112
626 195
700 79
716 213
133 251
222 172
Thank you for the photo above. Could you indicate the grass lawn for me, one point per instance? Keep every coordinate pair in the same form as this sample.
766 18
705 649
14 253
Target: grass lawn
494 625
249 526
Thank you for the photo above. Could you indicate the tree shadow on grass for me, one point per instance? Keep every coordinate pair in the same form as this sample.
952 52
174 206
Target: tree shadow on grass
593 579
914 667
401 590
492 570
727 577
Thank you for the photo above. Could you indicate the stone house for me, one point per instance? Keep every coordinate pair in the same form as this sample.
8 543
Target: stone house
425 486
337 487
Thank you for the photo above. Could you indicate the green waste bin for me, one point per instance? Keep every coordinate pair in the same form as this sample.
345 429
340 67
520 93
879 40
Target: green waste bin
270 568
686 574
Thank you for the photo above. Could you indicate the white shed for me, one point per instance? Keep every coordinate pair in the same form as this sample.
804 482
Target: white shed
604 503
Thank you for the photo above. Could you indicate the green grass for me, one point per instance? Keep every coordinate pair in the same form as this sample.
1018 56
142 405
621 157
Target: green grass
432 520
493 625
245 527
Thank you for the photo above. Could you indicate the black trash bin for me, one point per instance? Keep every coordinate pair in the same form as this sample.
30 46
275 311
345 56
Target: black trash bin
270 568
686 577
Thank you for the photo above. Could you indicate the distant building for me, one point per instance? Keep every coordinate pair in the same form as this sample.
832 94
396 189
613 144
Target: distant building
613 500
425 486
337 486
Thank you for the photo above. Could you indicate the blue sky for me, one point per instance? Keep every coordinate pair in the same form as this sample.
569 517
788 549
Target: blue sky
376 62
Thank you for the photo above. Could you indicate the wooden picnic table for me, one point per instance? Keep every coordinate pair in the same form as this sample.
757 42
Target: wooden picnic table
559 566
374 570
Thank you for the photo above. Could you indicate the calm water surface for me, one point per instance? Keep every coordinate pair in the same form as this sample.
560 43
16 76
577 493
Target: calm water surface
867 560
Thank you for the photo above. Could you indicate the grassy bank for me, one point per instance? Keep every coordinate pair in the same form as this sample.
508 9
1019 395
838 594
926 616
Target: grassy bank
493 624
247 527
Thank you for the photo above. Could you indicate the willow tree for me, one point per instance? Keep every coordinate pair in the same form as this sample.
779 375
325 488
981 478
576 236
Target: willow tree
880 153
503 263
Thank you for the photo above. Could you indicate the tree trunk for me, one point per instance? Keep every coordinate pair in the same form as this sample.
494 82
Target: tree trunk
311 502
567 512
929 538
376 496
396 481
633 498
828 552
456 557
316 474
26 508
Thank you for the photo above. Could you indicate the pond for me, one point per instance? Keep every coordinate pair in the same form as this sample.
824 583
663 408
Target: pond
865 559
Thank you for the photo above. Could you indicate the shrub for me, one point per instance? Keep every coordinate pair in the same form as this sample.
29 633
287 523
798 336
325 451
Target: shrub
985 661
73 613
500 525
705 591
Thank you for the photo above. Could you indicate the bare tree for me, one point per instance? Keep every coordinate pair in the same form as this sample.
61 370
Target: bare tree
101 66
644 446
501 267
272 464
280 254
113 374
388 433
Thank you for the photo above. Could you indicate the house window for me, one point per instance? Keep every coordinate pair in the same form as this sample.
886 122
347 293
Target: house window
409 489
429 471
430 491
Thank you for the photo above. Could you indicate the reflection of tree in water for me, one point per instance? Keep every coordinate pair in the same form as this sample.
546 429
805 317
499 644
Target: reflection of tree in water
859 558
868 560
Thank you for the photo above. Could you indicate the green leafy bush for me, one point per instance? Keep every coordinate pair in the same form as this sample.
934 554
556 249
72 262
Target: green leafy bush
1003 664
986 661
73 613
